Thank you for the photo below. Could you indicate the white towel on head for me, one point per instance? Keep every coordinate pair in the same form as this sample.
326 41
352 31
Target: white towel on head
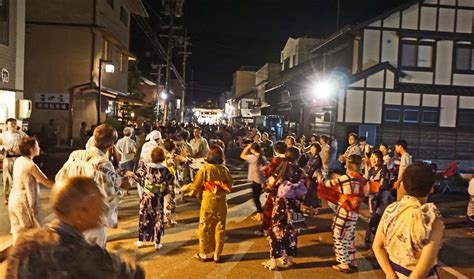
153 135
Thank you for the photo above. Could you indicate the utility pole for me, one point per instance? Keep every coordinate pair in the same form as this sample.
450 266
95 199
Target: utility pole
337 16
159 67
173 8
185 56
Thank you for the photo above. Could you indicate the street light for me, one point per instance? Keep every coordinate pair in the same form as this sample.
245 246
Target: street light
326 91
109 68
163 95
323 88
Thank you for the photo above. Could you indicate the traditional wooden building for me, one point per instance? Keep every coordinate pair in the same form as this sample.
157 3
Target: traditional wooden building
407 73
12 59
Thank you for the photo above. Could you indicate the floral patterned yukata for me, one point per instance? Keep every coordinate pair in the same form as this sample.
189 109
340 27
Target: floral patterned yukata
157 180
407 227
284 235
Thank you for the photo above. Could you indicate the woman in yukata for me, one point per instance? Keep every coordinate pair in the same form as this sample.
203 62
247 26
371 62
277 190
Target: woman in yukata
211 185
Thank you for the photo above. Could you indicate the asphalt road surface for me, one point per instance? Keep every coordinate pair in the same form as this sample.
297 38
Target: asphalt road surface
244 251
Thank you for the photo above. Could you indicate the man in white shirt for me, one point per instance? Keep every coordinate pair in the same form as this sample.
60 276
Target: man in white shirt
405 160
127 148
11 139
109 182
199 144
153 140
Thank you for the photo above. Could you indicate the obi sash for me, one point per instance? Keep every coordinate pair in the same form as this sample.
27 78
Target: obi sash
212 186
407 272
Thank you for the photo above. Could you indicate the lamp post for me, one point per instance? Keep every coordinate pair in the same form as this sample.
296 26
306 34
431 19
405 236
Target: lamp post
326 89
109 68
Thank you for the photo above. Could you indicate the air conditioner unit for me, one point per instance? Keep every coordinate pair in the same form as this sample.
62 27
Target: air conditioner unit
23 108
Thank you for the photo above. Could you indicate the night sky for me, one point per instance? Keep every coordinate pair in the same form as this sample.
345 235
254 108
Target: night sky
226 34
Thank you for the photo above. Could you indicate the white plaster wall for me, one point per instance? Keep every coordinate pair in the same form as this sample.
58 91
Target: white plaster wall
389 80
375 24
410 18
375 80
354 103
463 80
444 60
393 21
448 2
430 100
390 47
428 18
393 98
466 3
447 117
373 107
411 99
371 48
466 102
464 24
340 108
446 20
418 77
359 83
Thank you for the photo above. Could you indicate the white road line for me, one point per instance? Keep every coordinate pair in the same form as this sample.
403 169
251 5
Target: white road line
239 193
452 271
237 256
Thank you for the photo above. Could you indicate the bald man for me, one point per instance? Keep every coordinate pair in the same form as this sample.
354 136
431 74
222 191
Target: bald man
60 250
110 183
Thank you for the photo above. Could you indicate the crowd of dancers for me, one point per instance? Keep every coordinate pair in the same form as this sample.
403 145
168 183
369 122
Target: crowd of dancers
164 164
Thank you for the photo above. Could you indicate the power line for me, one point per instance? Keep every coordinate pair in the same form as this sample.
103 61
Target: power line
157 46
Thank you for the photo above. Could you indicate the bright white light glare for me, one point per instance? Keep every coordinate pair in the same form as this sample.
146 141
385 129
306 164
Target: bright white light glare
163 95
132 114
109 68
323 89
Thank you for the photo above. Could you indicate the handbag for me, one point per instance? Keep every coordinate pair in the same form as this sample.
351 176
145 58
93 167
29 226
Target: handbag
291 190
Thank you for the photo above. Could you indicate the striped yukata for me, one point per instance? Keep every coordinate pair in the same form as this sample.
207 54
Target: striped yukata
344 222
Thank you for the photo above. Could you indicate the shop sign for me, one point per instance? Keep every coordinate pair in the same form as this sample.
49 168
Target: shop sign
5 75
50 101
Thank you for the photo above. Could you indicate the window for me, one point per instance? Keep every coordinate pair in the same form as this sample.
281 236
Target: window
392 115
124 16
4 22
429 116
464 59
416 55
466 118
410 116
111 3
